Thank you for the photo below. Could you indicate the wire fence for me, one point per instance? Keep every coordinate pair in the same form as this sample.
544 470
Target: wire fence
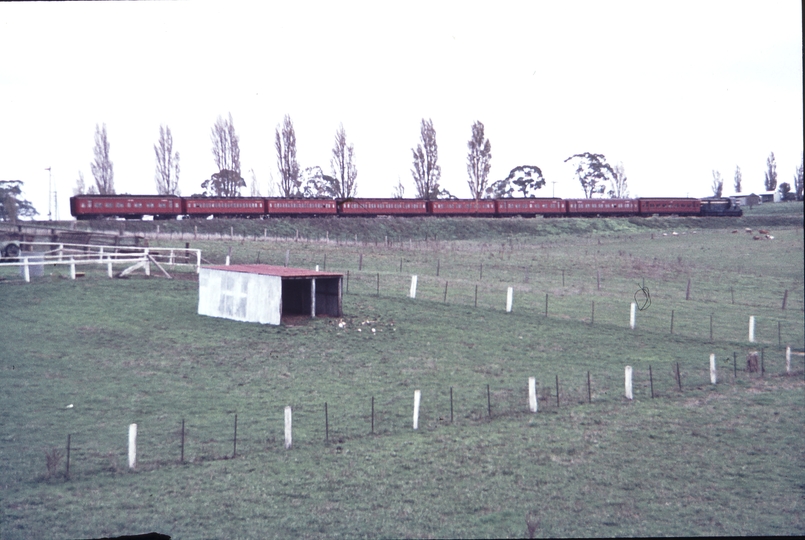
170 439
727 322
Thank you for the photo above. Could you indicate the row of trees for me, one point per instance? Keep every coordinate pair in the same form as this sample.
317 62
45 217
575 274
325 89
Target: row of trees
593 172
595 175
770 181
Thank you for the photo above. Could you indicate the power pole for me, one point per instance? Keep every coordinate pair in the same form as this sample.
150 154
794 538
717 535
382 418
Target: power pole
50 195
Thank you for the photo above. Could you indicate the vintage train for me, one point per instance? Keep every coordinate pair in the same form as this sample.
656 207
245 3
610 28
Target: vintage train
173 207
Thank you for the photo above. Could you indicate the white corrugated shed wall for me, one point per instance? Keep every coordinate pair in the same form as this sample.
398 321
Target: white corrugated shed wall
239 296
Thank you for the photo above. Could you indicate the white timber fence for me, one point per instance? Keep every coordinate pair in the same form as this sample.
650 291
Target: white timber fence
34 256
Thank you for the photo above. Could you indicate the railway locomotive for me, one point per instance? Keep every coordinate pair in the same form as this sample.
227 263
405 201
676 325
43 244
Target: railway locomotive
173 207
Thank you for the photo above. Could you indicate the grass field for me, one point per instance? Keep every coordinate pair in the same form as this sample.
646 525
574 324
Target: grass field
704 460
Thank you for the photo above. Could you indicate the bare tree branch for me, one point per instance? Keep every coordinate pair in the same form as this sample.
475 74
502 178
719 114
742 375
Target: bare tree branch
225 145
618 185
426 171
771 173
102 168
167 164
478 161
737 182
285 144
718 184
343 166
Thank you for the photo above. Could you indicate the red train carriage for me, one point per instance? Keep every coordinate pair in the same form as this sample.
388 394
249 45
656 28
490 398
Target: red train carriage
382 207
531 207
126 206
679 207
601 207
300 207
224 206
463 207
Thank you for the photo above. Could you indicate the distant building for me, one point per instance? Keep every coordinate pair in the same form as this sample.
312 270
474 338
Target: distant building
264 294
751 199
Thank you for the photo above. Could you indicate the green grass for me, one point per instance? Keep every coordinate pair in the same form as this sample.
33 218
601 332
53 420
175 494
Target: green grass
709 460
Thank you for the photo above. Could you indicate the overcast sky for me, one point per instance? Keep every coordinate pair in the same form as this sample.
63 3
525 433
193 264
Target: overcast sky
673 90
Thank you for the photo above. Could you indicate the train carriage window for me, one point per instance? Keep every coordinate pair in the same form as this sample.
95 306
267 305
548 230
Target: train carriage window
119 205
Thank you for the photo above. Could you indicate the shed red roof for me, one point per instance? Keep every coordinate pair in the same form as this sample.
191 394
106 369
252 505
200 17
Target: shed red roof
269 270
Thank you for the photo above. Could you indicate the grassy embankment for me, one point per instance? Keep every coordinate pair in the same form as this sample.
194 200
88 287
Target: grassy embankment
724 459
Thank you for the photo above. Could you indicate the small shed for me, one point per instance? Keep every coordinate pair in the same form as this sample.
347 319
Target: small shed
264 293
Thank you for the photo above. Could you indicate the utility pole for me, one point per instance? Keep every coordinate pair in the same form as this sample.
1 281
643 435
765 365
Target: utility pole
553 188
50 196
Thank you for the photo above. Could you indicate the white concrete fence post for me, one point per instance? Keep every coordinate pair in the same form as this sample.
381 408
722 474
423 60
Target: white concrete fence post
412 292
26 272
752 329
417 397
72 268
632 316
132 446
288 434
509 299
109 266
788 360
532 394
713 369
147 263
628 375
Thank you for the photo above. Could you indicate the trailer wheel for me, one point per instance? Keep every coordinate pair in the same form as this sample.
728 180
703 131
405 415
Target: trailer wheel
11 251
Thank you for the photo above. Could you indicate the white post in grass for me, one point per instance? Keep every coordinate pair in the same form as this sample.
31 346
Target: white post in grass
532 394
288 437
109 266
417 397
72 268
132 446
412 292
317 268
61 252
632 316
147 263
788 360
227 260
509 299
25 270
752 329
198 261
713 369
629 382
